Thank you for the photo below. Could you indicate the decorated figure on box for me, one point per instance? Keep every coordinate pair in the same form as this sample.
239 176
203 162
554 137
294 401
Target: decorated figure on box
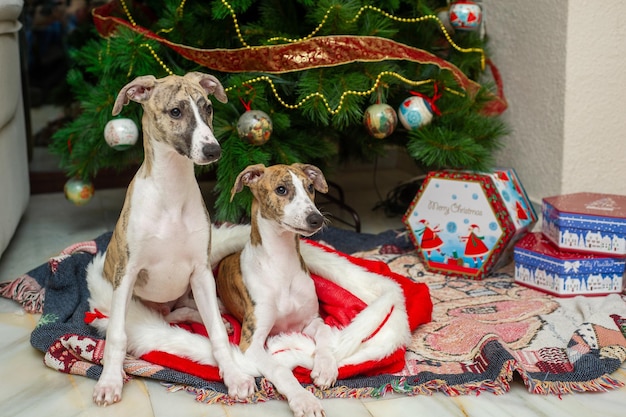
430 238
520 211
474 246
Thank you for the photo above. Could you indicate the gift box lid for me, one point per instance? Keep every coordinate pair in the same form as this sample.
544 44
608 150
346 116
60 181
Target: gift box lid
593 211
535 250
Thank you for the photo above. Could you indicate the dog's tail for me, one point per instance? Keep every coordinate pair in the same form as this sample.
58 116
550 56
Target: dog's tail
146 329
378 330
226 240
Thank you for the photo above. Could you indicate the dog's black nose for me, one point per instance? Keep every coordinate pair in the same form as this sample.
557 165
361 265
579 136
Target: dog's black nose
314 220
212 151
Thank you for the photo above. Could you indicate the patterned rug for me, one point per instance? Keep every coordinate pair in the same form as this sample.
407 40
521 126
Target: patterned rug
482 333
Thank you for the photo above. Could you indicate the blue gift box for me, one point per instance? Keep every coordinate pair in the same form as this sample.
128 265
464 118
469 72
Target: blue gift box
541 265
586 222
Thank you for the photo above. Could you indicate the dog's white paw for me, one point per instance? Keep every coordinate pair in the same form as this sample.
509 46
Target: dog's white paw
239 384
107 392
325 372
304 404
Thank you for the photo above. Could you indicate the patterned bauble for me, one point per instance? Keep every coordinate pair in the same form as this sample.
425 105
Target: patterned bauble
415 112
255 127
78 191
121 133
380 120
465 15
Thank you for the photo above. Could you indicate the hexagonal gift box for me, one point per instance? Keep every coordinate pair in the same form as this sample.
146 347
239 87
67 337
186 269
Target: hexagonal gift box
466 223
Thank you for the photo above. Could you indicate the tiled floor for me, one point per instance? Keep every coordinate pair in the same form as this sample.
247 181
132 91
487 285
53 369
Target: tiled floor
31 389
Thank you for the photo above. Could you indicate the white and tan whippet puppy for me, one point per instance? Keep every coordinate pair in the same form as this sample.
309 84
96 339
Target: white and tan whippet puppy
267 285
160 246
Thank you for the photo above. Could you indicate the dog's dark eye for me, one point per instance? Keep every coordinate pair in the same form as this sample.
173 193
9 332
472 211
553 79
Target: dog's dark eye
311 188
175 113
280 190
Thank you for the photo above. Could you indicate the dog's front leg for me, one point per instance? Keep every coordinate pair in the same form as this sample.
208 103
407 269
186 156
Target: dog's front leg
301 402
240 385
325 371
108 389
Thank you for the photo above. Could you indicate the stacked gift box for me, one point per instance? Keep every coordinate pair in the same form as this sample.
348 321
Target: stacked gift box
581 249
468 224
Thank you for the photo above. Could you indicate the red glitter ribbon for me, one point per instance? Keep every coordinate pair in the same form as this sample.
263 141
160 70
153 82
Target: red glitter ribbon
317 52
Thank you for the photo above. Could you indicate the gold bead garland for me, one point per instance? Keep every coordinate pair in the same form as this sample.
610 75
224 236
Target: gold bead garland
317 94
388 16
179 9
343 96
156 57
310 35
130 18
423 19
236 23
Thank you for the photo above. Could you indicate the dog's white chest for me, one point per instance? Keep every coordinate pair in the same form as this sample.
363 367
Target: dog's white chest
294 311
169 241
283 288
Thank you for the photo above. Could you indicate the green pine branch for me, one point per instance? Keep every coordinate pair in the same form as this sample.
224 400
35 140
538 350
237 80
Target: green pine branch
460 138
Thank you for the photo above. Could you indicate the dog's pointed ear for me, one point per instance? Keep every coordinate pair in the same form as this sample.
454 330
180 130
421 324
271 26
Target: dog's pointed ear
315 174
248 176
138 90
210 84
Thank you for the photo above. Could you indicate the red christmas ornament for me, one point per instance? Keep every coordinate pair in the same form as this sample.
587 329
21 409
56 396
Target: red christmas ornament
465 15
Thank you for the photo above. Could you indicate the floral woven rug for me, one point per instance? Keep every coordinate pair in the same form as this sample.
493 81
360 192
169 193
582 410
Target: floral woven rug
482 333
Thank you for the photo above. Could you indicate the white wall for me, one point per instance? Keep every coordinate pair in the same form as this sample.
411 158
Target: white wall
563 65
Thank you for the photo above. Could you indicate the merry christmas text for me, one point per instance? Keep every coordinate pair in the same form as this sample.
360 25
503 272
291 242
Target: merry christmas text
453 208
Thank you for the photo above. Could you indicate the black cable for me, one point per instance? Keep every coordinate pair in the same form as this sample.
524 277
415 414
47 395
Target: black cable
400 197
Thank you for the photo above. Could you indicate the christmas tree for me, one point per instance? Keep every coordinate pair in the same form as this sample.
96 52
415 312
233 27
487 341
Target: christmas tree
323 74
